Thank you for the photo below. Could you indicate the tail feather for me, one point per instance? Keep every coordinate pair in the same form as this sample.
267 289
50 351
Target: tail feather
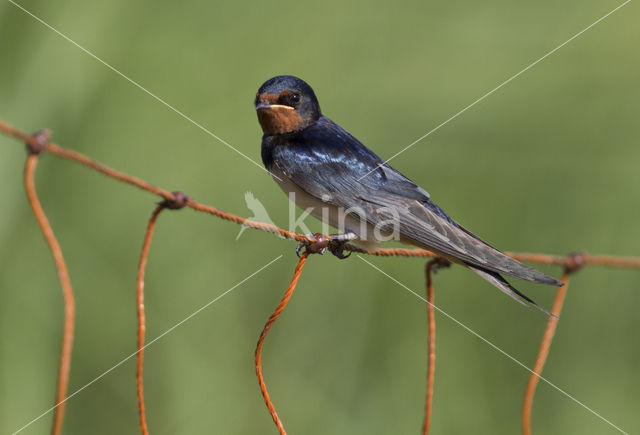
503 285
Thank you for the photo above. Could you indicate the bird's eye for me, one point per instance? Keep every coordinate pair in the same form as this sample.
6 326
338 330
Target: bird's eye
290 98
257 100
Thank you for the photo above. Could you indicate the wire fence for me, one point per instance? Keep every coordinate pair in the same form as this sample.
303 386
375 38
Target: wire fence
40 142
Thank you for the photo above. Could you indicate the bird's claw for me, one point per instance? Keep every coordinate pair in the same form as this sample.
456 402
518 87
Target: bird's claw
299 248
336 247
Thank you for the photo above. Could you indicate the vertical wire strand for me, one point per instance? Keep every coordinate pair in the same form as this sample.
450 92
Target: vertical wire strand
67 291
545 345
431 365
142 265
258 359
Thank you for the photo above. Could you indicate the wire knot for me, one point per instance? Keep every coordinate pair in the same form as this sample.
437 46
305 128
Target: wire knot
574 262
321 242
39 141
438 263
179 201
317 246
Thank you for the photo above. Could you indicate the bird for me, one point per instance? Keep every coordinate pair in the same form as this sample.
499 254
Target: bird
343 183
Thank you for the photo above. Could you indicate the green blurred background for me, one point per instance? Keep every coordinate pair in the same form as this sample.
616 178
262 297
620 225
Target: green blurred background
549 163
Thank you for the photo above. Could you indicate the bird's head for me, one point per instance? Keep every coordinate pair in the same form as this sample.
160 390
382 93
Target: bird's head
286 104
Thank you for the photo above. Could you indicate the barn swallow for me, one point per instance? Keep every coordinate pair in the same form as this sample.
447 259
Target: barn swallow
326 168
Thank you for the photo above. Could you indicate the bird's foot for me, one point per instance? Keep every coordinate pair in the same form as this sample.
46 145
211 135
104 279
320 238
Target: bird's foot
337 244
334 242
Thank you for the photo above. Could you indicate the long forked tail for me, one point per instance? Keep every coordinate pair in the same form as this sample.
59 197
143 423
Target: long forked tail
503 285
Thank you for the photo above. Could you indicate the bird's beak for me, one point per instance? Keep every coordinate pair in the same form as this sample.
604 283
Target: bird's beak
266 106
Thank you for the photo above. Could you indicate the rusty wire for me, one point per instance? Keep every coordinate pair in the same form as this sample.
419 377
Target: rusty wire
142 265
431 359
543 352
40 142
258 358
50 147
64 366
